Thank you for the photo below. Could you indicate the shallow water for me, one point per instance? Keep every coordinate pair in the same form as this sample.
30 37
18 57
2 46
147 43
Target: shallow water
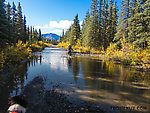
114 87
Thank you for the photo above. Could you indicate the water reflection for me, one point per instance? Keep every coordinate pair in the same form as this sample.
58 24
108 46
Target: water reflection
11 83
115 84
75 68
90 79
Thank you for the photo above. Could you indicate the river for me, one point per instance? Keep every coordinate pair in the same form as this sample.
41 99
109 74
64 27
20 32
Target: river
115 87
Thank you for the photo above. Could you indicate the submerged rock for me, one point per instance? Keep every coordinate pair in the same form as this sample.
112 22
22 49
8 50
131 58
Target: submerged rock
53 101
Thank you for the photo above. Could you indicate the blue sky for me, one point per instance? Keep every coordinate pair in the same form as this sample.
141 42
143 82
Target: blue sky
51 16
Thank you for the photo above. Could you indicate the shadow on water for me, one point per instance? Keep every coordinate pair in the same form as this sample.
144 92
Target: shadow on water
112 86
11 83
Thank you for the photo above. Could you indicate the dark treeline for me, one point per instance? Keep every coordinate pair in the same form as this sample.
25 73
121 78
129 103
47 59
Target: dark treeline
13 26
104 25
134 23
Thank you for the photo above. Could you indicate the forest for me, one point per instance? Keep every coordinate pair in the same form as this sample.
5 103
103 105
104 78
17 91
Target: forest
120 35
116 35
17 40
109 66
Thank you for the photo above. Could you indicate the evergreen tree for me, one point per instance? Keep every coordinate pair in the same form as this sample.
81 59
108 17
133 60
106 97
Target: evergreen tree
138 29
100 23
19 24
105 24
75 31
68 34
94 16
119 34
87 31
10 27
125 14
14 13
24 30
61 38
33 34
4 38
146 19
40 35
115 19
8 10
14 19
82 32
146 12
28 33
110 23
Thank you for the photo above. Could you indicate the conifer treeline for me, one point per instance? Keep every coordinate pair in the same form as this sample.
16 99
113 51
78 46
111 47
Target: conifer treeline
13 26
98 28
134 22
101 27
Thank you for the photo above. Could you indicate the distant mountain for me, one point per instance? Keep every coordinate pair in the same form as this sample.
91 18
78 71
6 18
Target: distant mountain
51 36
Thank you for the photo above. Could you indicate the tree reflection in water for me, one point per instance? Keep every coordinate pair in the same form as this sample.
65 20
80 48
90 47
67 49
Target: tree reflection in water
11 83
92 79
113 84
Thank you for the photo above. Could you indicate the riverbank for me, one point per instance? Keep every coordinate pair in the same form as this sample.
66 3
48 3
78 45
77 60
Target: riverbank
53 100
15 54
127 55
75 78
143 68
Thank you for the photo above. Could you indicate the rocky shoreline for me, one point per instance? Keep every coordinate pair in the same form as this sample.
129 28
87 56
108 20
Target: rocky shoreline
52 101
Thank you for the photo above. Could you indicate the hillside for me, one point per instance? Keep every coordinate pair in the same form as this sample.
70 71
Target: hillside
51 36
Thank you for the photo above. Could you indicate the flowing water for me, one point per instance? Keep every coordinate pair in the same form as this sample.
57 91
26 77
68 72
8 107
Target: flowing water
114 87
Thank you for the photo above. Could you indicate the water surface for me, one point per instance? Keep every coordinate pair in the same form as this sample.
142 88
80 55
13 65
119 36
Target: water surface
114 87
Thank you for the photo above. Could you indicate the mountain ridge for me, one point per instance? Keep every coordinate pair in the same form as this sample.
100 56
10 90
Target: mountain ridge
51 36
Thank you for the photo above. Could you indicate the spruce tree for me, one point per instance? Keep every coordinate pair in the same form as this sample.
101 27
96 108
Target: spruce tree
40 35
69 35
75 31
87 31
19 24
28 33
138 29
61 38
82 32
105 24
94 16
110 23
10 27
8 10
33 34
14 19
24 30
146 7
122 28
100 23
115 19
4 23
14 13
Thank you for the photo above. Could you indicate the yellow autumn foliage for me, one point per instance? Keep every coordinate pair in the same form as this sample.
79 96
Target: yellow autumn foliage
14 54
128 54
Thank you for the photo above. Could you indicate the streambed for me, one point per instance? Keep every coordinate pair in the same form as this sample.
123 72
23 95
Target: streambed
81 81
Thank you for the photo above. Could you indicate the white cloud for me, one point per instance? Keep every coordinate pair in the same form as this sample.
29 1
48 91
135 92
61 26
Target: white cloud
55 27
81 22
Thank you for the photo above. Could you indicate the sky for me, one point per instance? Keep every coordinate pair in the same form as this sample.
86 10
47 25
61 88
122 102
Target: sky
52 16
